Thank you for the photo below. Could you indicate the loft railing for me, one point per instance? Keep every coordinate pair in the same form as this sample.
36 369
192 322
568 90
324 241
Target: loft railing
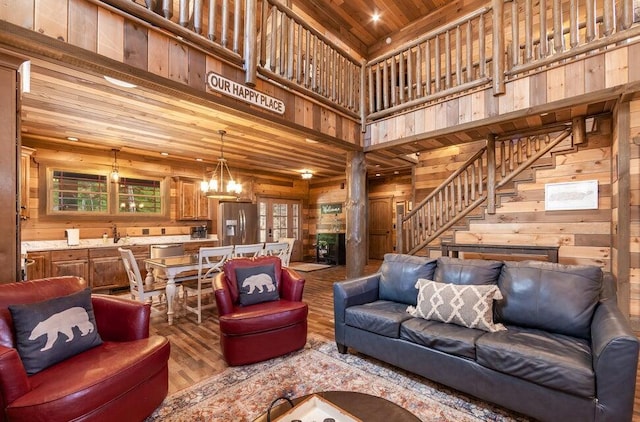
475 182
295 54
493 44
447 60
500 41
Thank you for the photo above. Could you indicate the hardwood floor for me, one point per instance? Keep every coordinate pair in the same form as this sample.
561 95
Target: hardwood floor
195 350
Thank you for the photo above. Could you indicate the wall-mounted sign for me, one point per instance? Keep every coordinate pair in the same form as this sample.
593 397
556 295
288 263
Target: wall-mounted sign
233 89
581 195
331 208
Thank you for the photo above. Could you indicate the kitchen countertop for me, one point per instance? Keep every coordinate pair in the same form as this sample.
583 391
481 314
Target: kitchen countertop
47 245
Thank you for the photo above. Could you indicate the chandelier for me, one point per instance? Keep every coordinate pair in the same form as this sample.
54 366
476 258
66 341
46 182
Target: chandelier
221 185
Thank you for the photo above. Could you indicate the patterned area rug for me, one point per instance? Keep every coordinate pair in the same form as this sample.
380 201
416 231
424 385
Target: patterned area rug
243 393
308 267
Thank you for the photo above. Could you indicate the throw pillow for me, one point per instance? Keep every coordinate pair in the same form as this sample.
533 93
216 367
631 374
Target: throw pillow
468 305
53 330
257 284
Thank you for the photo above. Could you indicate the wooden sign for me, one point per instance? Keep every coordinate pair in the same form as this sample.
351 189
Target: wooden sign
233 89
331 208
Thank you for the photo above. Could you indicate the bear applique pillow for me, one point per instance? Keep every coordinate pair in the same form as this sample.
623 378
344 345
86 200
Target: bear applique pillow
53 330
257 284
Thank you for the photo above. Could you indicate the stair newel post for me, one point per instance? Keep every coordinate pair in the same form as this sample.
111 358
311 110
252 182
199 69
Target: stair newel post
356 213
491 174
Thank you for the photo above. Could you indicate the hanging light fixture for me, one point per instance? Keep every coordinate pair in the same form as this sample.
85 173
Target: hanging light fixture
115 175
306 174
216 187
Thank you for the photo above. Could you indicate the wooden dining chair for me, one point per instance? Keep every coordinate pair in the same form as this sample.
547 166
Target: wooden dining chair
139 290
247 251
279 249
210 262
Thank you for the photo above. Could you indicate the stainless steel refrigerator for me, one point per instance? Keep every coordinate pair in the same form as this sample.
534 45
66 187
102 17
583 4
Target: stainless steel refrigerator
237 223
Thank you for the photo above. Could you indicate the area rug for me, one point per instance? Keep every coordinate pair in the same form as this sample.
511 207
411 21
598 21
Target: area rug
305 267
243 393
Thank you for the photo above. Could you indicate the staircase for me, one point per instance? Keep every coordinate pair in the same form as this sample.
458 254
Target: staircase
476 187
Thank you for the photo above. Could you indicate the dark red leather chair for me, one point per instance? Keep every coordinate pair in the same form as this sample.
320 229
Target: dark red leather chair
123 379
262 331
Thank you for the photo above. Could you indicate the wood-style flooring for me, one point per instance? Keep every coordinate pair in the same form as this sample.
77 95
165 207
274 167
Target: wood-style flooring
195 350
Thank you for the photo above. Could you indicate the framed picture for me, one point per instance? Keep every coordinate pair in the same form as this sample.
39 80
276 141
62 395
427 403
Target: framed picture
571 196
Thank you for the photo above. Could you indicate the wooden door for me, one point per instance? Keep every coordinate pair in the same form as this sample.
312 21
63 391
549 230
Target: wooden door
380 225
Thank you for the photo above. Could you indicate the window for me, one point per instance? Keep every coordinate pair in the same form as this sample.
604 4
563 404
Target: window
78 192
140 196
87 193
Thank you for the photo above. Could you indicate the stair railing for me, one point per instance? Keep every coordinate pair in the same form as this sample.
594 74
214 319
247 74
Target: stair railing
469 186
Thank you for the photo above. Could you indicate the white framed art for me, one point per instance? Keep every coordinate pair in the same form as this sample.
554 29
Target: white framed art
571 196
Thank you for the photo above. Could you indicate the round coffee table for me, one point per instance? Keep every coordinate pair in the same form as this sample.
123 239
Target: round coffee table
363 406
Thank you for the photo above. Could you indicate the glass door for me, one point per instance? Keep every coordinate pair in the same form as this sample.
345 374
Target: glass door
278 219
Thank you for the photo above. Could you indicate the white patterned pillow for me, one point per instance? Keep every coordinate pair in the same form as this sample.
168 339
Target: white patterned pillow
467 305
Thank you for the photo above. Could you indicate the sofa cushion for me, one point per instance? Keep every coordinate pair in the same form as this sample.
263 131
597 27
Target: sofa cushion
470 305
467 271
256 284
381 317
261 317
50 331
447 338
552 360
398 276
548 296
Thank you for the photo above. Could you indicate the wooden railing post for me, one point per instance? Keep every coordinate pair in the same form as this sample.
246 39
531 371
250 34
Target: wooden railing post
498 47
399 233
491 174
250 36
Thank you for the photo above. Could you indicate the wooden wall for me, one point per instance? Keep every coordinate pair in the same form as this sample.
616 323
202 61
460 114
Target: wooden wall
520 218
41 228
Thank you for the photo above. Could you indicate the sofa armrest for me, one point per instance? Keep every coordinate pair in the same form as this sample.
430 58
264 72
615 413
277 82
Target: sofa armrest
356 291
292 285
121 319
224 301
14 382
615 361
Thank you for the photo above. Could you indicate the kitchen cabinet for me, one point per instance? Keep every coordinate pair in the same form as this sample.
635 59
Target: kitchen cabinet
106 270
41 267
70 262
192 203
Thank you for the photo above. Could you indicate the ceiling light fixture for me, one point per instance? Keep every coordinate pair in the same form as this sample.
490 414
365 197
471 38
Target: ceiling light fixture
376 17
72 139
118 82
115 174
306 174
215 187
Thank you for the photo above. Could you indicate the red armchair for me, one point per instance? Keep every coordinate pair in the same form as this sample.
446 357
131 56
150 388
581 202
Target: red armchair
261 331
124 379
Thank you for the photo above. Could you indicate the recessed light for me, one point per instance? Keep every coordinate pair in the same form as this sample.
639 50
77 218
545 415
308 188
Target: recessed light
378 174
198 159
72 139
375 17
311 141
119 83
164 153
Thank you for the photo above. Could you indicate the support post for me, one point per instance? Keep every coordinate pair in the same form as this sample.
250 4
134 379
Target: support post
356 214
250 36
579 130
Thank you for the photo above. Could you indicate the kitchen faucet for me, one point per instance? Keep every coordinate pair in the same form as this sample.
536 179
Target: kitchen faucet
116 235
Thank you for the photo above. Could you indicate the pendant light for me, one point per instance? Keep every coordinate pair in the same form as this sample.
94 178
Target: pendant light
115 175
221 185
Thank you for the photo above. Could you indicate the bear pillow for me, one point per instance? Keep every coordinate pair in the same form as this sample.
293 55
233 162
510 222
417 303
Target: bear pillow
53 330
257 284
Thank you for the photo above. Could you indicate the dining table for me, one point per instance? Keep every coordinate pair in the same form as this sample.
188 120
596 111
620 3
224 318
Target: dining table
172 266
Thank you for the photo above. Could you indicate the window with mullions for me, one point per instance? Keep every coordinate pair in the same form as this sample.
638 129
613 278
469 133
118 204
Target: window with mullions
140 196
78 192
